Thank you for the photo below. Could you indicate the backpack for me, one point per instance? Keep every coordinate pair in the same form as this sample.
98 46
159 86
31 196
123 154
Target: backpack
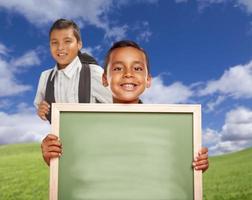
84 83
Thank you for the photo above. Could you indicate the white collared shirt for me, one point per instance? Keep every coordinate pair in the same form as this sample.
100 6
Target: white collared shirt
66 84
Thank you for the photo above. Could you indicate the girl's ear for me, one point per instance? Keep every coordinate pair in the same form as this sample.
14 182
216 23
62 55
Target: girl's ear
149 78
104 80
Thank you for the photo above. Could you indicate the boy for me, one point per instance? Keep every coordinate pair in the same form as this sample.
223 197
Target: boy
127 73
72 80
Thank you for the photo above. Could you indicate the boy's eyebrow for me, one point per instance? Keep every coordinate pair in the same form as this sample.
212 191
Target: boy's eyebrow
138 62
121 62
65 38
117 62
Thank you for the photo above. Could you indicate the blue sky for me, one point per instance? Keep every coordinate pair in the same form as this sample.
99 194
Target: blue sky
200 52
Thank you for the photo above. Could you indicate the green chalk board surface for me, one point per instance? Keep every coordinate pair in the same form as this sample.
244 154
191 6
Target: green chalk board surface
126 156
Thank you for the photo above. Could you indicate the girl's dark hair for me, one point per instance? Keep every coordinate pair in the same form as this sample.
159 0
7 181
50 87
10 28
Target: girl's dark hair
124 43
64 24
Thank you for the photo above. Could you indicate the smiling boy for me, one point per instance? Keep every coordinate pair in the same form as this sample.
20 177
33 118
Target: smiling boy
126 72
70 81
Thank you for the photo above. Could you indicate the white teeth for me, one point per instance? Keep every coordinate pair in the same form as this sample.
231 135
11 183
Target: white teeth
128 86
61 54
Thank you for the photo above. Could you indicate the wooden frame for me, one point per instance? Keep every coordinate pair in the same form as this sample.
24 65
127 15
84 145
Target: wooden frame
195 110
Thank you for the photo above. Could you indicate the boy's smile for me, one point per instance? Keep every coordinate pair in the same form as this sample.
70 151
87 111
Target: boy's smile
127 74
128 86
64 46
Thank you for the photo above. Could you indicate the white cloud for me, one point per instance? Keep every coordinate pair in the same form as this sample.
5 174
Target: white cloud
143 29
7 78
94 12
8 74
160 93
40 13
235 82
117 33
210 137
5 103
244 4
238 125
213 104
235 135
247 4
21 127
228 147
29 59
144 36
91 50
3 49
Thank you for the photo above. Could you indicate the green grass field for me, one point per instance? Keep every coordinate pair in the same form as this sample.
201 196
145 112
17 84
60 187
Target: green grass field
229 177
23 175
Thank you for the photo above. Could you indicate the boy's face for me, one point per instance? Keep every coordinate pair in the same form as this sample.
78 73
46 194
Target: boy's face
64 46
127 74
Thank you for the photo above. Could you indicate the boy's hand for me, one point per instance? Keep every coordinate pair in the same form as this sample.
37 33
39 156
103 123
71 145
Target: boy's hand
43 110
201 161
51 148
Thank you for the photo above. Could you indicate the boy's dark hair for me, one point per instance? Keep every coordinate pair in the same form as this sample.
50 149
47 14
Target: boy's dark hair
125 43
64 24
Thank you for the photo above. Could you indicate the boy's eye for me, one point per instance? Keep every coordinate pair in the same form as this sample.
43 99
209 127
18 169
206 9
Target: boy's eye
68 41
138 68
54 42
117 68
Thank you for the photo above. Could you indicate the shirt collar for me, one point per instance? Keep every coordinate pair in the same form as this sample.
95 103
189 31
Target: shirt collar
70 69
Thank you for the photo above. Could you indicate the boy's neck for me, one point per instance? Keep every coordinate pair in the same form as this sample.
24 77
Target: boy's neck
135 101
61 67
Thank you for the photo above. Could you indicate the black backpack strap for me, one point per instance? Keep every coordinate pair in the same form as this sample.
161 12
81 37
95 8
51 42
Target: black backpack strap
85 58
84 84
49 94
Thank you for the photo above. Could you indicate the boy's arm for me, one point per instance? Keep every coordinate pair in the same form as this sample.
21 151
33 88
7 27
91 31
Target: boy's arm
41 105
43 110
201 161
51 148
40 94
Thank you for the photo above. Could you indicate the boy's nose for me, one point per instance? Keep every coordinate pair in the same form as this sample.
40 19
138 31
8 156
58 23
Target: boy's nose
128 73
61 46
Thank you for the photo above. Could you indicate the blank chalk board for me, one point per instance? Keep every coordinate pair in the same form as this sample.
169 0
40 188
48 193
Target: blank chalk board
126 152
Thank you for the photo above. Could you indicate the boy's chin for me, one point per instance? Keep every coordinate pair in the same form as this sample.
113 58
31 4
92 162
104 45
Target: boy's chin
126 100
62 65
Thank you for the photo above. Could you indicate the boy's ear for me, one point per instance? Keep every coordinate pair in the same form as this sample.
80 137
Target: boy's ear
104 80
79 45
149 78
